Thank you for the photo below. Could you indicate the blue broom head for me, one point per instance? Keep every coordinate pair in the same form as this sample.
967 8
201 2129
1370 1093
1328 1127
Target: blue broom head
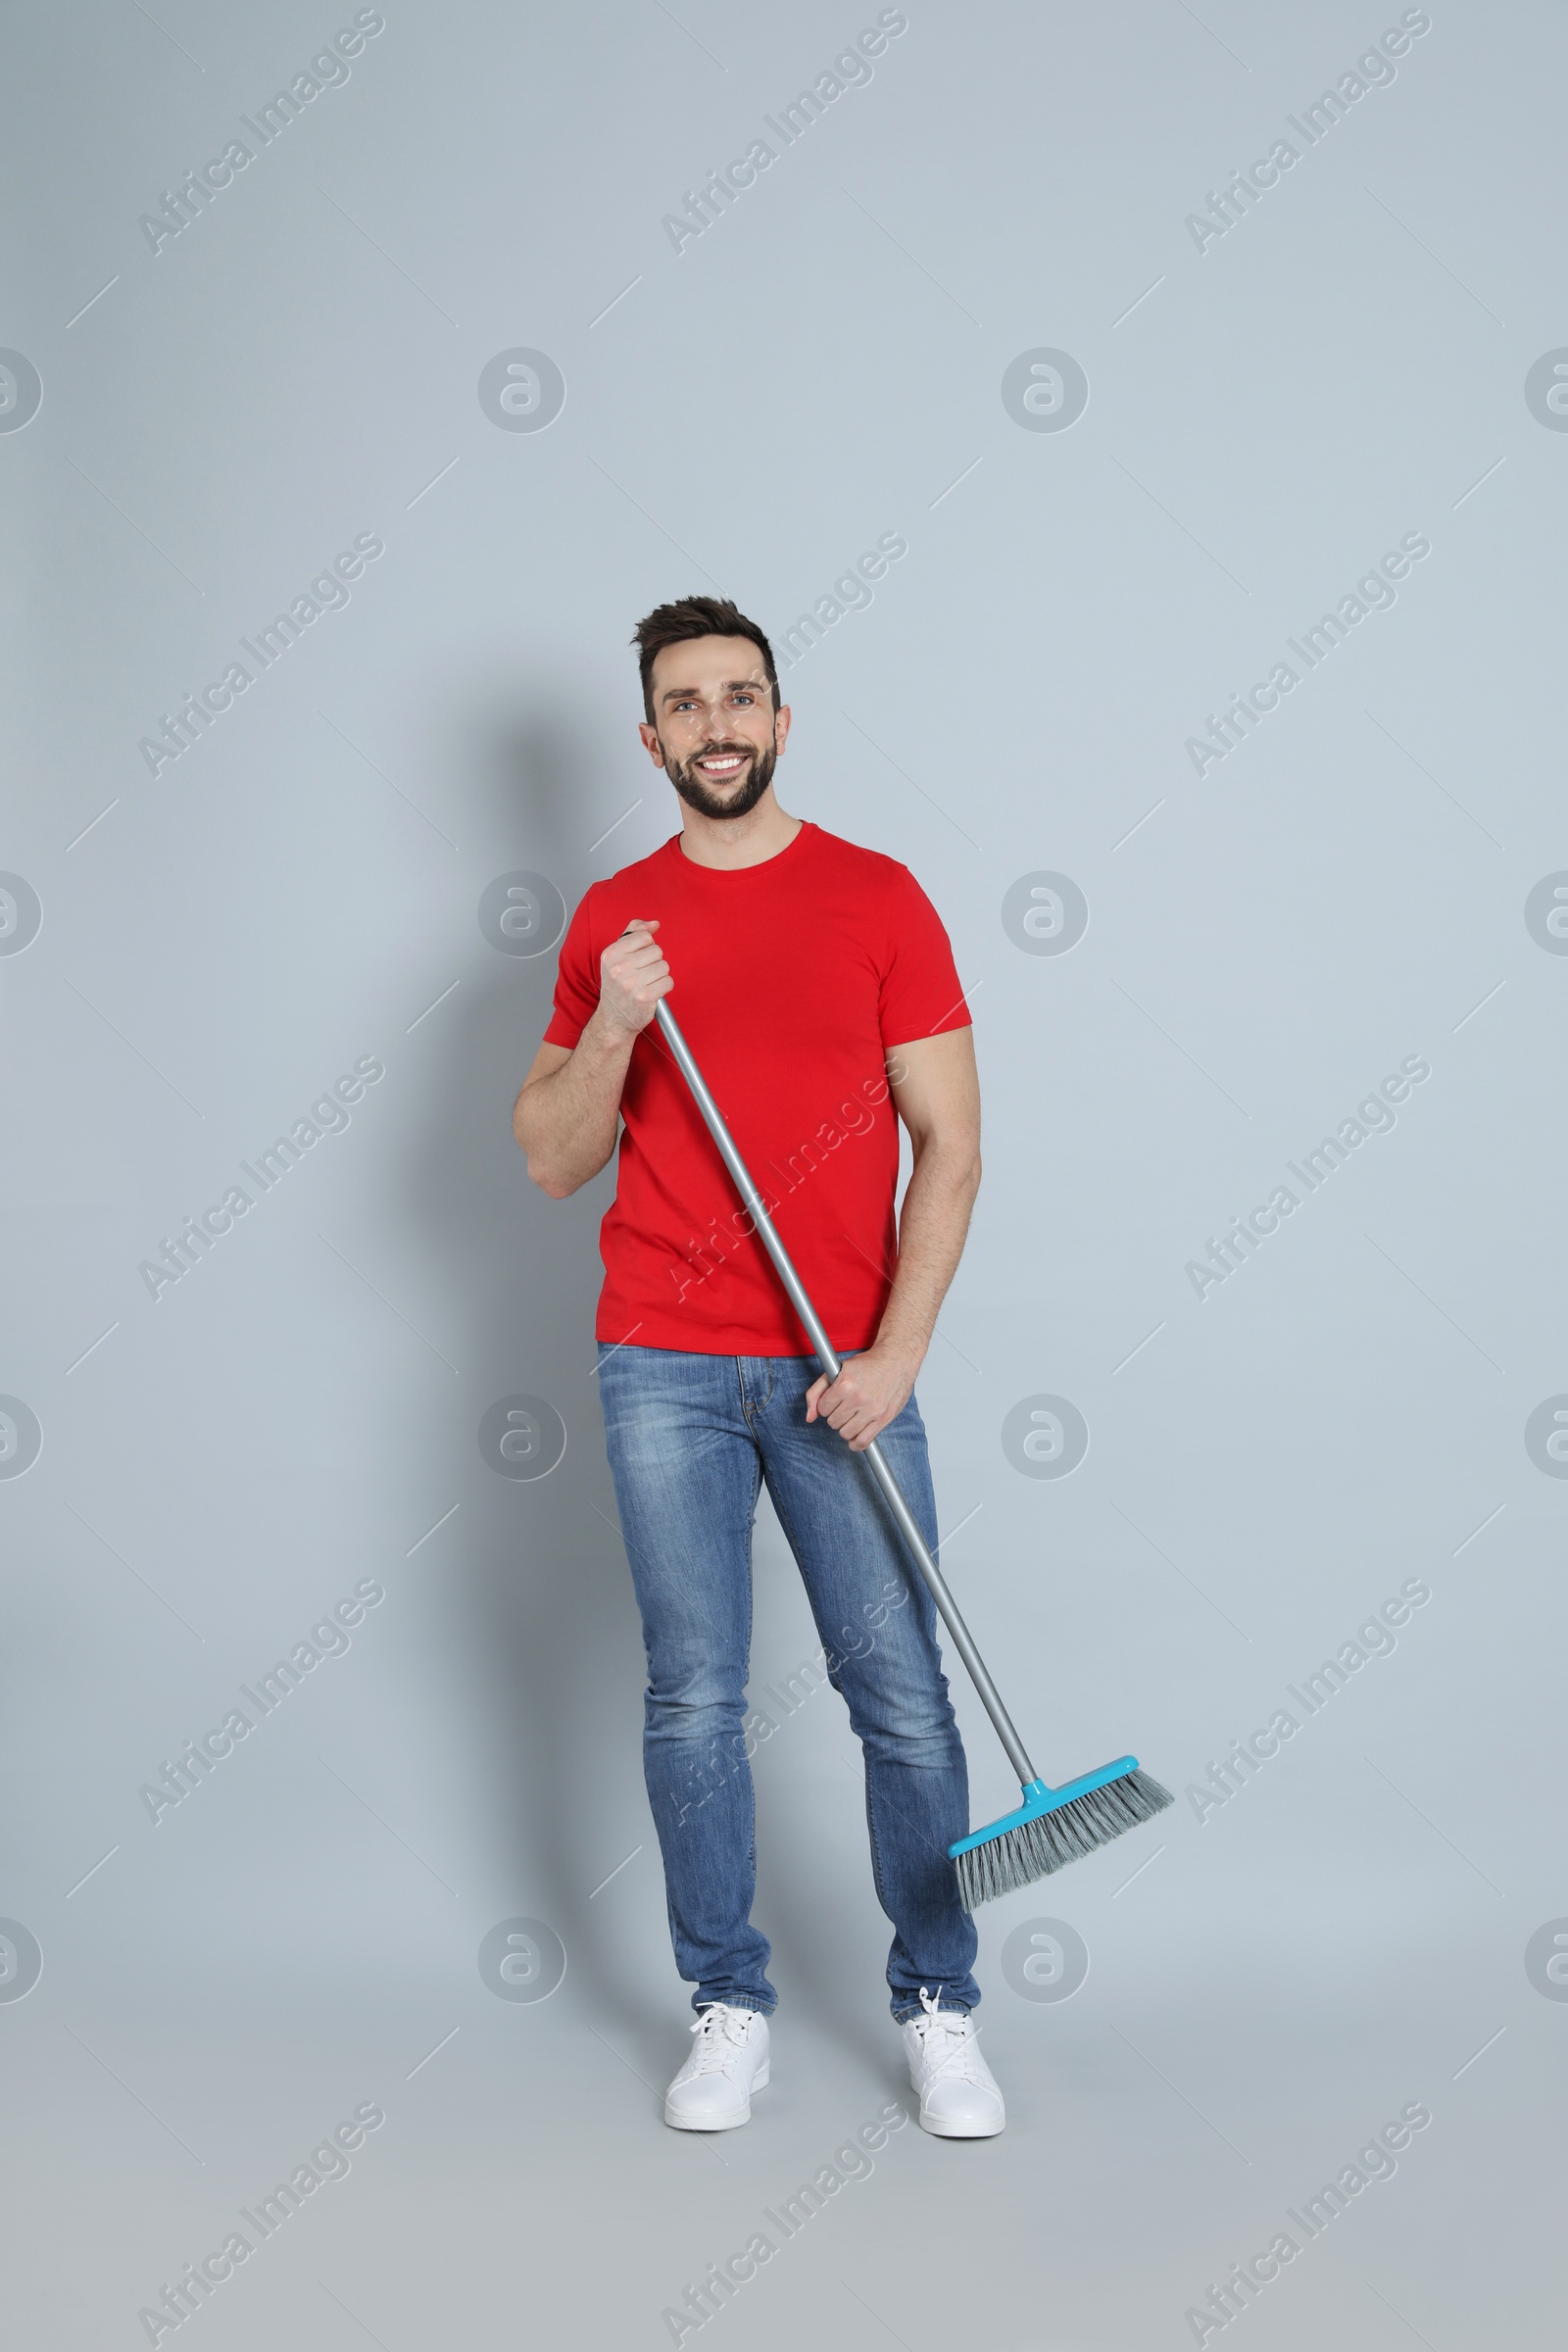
1052 1827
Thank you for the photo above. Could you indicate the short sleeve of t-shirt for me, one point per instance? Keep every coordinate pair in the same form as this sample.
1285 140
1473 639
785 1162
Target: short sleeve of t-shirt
577 979
921 993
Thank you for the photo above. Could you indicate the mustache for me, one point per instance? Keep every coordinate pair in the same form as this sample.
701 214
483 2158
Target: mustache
741 792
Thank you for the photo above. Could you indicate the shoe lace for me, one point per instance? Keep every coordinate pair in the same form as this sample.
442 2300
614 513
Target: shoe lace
949 2041
721 2032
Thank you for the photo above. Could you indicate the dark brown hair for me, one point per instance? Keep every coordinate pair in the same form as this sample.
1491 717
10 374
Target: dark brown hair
694 616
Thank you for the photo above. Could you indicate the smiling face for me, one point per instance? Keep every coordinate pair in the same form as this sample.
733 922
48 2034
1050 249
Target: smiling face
714 730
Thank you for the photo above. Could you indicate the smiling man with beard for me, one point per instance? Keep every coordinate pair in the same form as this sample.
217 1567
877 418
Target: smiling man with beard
811 976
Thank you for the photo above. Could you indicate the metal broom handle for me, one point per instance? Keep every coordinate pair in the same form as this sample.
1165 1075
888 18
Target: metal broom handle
876 1461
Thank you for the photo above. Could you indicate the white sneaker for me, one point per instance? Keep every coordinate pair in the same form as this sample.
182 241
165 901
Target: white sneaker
712 2092
958 2091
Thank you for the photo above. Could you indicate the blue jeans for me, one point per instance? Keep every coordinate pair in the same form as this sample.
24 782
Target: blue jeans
691 1439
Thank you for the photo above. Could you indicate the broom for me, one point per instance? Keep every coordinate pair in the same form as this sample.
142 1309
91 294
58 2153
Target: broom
1052 1826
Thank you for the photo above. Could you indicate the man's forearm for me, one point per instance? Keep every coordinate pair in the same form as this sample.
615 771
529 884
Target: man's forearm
566 1122
935 1220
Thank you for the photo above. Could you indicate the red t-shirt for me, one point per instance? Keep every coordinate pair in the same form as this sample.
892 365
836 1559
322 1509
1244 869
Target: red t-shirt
793 980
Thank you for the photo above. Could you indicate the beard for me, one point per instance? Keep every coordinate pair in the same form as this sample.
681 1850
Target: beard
707 802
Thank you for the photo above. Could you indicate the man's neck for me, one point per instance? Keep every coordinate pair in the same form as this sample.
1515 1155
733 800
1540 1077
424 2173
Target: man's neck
732 843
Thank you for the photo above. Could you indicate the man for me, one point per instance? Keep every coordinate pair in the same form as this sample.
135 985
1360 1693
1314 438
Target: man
817 986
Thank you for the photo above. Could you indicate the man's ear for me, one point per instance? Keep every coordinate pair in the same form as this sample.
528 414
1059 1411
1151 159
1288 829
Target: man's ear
650 743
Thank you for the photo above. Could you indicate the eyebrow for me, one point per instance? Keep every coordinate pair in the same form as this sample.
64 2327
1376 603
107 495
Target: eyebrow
677 694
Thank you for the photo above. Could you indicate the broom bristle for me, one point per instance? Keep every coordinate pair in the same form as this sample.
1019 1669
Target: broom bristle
1035 1848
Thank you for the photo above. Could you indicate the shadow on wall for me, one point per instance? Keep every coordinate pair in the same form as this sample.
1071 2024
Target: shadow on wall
543 1618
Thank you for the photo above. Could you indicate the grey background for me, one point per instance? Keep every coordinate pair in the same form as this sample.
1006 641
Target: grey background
301 888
